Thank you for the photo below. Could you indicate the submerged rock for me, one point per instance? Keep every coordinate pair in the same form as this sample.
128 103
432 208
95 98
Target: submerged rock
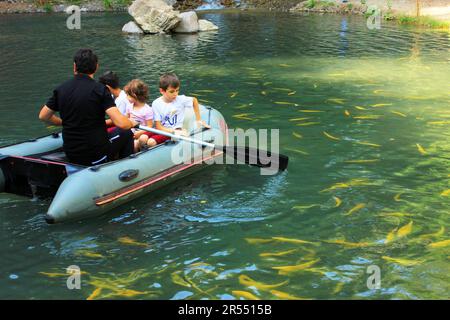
132 27
205 25
154 16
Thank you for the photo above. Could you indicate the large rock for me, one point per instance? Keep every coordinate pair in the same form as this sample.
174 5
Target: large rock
205 25
154 16
132 27
188 23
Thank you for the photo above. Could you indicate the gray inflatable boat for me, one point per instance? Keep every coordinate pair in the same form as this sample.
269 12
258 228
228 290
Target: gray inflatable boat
39 168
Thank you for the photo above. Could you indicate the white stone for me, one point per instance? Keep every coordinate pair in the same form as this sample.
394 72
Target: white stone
188 23
132 27
205 25
154 16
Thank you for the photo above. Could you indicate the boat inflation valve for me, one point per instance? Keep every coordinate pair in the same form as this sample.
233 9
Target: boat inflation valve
128 175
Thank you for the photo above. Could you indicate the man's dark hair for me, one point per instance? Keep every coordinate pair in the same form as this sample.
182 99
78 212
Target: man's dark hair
85 61
169 80
110 78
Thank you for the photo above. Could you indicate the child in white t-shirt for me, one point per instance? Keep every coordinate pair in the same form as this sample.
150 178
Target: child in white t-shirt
169 109
111 81
138 110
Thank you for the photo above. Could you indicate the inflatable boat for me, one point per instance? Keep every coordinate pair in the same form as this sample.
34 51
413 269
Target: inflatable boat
39 168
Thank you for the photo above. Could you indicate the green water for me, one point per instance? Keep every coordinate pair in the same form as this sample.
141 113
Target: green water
261 70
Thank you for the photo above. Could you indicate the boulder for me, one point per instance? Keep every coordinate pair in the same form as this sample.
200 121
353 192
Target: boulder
132 27
154 16
205 25
188 23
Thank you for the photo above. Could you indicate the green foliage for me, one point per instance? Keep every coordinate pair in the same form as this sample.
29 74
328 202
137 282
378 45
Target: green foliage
424 22
48 7
363 2
350 6
311 4
107 4
327 4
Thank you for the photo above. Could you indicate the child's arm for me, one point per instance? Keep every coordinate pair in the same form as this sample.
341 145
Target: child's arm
198 118
139 133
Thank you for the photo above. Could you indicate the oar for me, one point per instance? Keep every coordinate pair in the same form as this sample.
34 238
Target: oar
251 156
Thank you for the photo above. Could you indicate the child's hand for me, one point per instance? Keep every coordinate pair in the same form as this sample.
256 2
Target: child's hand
201 123
137 134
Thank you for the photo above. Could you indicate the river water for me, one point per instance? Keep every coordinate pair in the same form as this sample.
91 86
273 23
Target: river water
363 115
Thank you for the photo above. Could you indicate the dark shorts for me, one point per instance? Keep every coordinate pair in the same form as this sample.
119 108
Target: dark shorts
120 146
159 138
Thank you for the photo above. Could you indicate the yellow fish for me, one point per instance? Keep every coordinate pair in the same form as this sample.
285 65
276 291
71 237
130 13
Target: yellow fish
381 105
304 124
258 241
292 93
438 122
403 262
233 94
266 83
338 288
397 197
360 108
439 244
399 114
277 254
264 93
177 279
298 151
132 242
362 161
299 119
338 202
369 144
89 254
437 234
94 294
405 230
330 136
391 236
288 269
421 149
445 193
57 274
310 111
244 294
306 206
289 240
283 89
395 214
206 91
284 65
368 117
297 135
349 244
284 295
338 101
359 206
286 103
249 282
347 113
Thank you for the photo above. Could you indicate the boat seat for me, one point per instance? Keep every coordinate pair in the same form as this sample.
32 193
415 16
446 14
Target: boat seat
56 157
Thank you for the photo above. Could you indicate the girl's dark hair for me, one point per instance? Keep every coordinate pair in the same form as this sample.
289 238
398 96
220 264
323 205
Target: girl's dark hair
85 61
137 89
109 78
169 80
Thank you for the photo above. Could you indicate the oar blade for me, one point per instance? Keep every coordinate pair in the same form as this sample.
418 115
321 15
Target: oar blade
257 157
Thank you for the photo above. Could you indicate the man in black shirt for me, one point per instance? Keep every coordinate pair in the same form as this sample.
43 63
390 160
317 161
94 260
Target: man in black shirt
82 104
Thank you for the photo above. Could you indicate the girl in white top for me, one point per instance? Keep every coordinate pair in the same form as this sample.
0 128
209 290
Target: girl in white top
138 110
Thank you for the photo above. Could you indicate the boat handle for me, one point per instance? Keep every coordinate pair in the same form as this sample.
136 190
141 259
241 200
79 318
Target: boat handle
128 175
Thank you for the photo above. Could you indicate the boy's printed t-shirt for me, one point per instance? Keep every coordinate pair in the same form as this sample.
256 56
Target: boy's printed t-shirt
141 115
122 102
171 114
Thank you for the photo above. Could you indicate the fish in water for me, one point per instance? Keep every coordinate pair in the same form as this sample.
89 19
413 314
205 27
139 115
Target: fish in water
277 254
286 103
437 234
378 105
249 282
369 144
390 236
284 65
330 136
308 206
338 202
405 230
440 244
336 100
360 108
399 114
358 207
289 240
362 161
310 111
258 240
347 113
297 135
132 242
205 91
403 262
89 254
292 93
177 279
349 244
284 295
285 270
264 93
244 294
304 124
421 149
368 117
299 119
348 184
233 94
94 294
297 151
445 193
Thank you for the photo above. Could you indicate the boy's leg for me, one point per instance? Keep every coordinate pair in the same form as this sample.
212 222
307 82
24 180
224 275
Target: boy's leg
121 143
143 140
